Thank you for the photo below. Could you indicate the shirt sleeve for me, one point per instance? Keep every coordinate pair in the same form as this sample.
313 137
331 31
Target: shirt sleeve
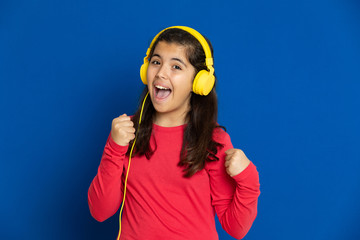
233 198
106 190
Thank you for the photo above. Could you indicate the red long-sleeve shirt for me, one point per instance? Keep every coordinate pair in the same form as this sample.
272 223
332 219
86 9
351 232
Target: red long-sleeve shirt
162 204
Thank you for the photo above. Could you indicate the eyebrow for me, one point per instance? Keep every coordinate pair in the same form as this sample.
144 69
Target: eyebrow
176 59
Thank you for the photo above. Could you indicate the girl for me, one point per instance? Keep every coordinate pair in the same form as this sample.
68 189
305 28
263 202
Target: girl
184 168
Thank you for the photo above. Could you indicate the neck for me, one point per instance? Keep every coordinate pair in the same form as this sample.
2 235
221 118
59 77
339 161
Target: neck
165 120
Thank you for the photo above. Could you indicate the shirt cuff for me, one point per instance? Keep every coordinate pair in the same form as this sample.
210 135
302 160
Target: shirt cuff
250 169
116 147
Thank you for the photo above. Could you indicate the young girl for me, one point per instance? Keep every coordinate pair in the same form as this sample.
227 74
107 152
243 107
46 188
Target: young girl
184 168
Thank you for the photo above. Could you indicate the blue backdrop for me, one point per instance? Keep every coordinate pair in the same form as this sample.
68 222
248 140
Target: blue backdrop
288 91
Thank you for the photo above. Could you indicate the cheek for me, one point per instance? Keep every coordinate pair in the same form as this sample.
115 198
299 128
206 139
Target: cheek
186 85
150 74
190 81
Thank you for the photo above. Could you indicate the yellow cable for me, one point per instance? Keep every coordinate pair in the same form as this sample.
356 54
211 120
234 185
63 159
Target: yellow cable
127 172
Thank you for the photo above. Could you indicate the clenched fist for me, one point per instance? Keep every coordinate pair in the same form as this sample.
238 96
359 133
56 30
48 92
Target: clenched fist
122 130
235 161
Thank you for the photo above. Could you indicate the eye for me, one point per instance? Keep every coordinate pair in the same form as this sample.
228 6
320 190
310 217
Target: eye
155 62
177 67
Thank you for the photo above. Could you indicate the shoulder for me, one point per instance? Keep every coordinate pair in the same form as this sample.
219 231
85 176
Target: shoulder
223 138
220 135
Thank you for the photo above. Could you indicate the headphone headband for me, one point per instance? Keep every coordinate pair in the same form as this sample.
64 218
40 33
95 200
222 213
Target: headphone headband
208 61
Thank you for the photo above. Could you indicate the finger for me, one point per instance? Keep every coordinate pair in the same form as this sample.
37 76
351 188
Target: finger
118 127
124 115
227 171
129 129
229 155
126 123
123 122
117 120
121 116
124 118
131 136
228 158
239 154
230 151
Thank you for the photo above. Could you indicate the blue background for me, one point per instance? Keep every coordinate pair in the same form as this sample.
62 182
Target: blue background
288 91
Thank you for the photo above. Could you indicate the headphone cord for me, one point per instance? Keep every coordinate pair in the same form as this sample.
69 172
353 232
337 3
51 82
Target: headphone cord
127 172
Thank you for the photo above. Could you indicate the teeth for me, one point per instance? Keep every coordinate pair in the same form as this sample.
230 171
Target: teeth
161 87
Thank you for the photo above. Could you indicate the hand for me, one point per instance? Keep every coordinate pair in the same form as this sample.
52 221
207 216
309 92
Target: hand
122 130
235 161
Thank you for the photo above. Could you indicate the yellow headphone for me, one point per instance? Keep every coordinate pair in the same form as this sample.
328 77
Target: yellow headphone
204 80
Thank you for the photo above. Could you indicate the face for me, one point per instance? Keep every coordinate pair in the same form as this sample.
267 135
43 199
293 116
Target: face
170 77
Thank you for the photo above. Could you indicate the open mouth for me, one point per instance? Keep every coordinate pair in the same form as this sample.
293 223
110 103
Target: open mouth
162 92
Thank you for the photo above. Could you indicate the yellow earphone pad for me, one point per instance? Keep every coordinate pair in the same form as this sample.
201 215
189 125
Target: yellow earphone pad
143 72
203 83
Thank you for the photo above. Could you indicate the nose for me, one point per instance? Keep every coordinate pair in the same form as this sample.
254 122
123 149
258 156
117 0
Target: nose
162 72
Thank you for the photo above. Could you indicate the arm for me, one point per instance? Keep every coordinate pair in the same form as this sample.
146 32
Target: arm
106 190
234 198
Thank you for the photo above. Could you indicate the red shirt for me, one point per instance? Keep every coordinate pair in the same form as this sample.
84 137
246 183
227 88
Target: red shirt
162 204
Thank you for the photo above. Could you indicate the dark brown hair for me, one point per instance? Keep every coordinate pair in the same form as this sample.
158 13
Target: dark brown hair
198 143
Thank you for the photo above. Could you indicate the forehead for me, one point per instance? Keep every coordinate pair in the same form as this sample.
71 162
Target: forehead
165 49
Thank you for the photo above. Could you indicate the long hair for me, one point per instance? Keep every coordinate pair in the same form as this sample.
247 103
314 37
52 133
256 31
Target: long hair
198 144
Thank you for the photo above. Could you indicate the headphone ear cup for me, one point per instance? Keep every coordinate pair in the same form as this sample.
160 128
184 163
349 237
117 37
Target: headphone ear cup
203 83
143 72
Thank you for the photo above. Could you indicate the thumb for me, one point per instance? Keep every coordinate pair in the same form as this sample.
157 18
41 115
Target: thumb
230 151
